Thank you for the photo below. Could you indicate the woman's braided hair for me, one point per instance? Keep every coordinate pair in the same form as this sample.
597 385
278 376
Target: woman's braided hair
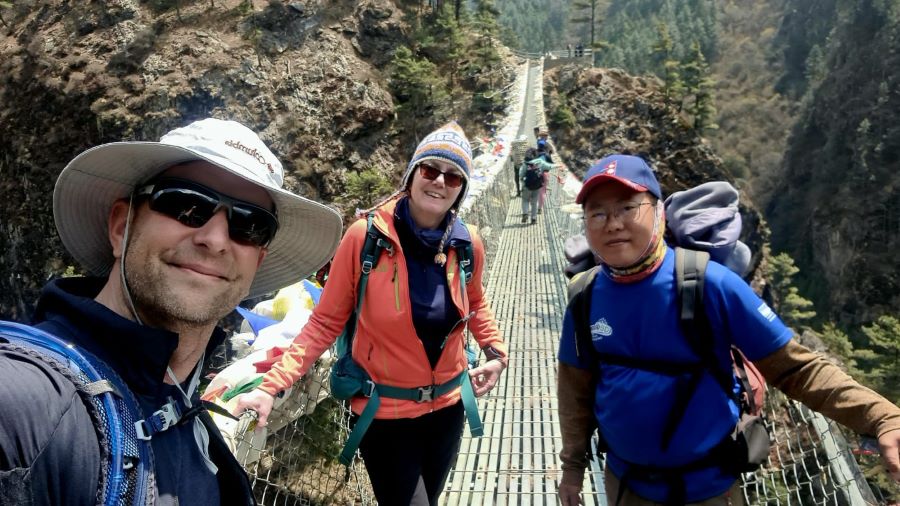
399 193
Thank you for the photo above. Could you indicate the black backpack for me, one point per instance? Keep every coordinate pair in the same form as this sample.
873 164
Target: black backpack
534 180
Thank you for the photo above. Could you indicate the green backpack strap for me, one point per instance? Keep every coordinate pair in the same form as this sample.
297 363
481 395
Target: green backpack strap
466 391
374 244
465 255
419 394
359 430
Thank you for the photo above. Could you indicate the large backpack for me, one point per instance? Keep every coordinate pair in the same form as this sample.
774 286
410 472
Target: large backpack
534 179
748 446
349 380
127 476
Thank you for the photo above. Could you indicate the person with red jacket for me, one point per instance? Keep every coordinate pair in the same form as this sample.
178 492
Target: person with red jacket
412 324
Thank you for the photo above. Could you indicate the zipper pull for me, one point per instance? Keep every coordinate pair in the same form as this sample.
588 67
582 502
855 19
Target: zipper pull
464 319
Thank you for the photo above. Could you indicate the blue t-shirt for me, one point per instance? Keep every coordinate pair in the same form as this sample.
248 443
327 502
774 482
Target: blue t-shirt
640 320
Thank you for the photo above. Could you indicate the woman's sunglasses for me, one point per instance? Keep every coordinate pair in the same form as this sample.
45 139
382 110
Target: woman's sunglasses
193 204
430 172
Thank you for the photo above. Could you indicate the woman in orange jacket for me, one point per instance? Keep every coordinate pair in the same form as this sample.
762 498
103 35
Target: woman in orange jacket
411 328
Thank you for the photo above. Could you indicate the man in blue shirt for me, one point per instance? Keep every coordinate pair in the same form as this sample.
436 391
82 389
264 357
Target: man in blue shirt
633 314
174 234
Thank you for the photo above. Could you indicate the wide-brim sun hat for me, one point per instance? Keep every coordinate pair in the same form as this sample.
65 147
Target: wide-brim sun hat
308 232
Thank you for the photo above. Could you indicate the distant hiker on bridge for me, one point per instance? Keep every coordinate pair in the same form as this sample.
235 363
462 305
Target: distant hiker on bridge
544 146
545 149
422 288
627 366
569 49
174 234
533 174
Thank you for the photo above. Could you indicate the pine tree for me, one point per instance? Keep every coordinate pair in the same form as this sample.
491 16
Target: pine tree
816 67
672 85
417 87
839 344
442 41
794 309
364 187
486 60
697 82
884 340
4 4
588 12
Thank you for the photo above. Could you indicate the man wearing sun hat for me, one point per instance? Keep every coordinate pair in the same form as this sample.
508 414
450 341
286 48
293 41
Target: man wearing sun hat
173 234
617 381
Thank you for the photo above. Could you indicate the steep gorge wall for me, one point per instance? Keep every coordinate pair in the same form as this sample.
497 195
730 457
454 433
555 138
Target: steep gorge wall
76 74
837 210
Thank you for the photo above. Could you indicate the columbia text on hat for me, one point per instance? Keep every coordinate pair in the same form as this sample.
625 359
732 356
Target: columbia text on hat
631 171
308 232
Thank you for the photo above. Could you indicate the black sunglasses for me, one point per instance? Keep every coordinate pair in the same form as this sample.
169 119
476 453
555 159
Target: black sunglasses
193 204
451 179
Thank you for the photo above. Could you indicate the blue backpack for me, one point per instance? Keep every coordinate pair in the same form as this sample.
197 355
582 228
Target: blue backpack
127 476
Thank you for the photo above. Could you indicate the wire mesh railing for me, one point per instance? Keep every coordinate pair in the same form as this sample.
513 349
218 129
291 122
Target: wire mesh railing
293 461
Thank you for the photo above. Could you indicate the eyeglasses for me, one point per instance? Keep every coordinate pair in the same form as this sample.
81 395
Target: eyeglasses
451 179
627 212
193 205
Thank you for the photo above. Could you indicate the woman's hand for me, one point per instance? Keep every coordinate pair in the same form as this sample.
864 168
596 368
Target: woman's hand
485 378
258 401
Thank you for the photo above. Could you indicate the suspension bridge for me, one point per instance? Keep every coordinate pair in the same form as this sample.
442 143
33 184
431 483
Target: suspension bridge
516 462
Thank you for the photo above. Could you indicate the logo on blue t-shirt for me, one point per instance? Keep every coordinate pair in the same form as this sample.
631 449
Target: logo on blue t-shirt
766 311
600 329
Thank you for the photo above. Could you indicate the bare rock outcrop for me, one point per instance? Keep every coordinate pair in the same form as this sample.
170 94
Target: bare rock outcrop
77 74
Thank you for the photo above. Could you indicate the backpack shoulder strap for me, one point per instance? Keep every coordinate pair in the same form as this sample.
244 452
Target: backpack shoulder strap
580 288
465 254
374 244
690 274
128 466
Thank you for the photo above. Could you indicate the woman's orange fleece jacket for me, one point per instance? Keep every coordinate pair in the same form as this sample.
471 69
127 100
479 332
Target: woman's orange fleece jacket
386 344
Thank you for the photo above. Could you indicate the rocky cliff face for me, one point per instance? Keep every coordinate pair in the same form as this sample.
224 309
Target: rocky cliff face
75 74
837 211
618 112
